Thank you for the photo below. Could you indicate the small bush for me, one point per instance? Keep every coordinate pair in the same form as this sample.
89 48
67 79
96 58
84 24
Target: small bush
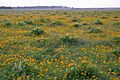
115 17
104 17
116 52
37 31
116 25
44 20
75 20
65 13
56 23
114 68
102 42
28 22
7 24
39 43
98 22
26 70
76 25
116 40
52 45
69 40
21 23
84 23
95 30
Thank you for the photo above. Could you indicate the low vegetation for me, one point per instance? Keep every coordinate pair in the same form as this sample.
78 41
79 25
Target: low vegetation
37 31
59 45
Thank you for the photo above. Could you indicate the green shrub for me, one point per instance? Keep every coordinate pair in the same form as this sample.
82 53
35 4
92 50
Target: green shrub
28 22
75 20
24 69
84 23
56 23
116 52
104 17
118 26
65 13
76 25
116 40
52 45
116 23
7 24
95 30
98 22
39 43
114 68
101 42
69 40
44 20
21 23
115 17
37 31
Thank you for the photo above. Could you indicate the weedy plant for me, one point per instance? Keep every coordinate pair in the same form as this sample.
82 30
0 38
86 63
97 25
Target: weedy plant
68 40
104 17
7 24
116 52
75 20
21 23
37 31
116 41
76 25
28 22
57 23
43 20
116 24
95 30
98 22
39 43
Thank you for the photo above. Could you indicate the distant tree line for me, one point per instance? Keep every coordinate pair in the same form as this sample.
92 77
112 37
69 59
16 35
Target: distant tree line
2 7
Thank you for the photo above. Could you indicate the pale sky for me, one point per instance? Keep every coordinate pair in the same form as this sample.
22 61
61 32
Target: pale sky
69 3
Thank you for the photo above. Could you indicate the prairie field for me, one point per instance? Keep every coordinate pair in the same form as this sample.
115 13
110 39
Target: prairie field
59 45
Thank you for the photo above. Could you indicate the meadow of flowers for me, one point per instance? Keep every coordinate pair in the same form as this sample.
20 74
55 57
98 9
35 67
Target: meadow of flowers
59 45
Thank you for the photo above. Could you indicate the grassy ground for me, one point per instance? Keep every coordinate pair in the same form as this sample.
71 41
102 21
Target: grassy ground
59 45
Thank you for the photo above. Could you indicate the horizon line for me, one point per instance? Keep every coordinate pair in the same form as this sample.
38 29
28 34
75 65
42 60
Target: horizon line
60 6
